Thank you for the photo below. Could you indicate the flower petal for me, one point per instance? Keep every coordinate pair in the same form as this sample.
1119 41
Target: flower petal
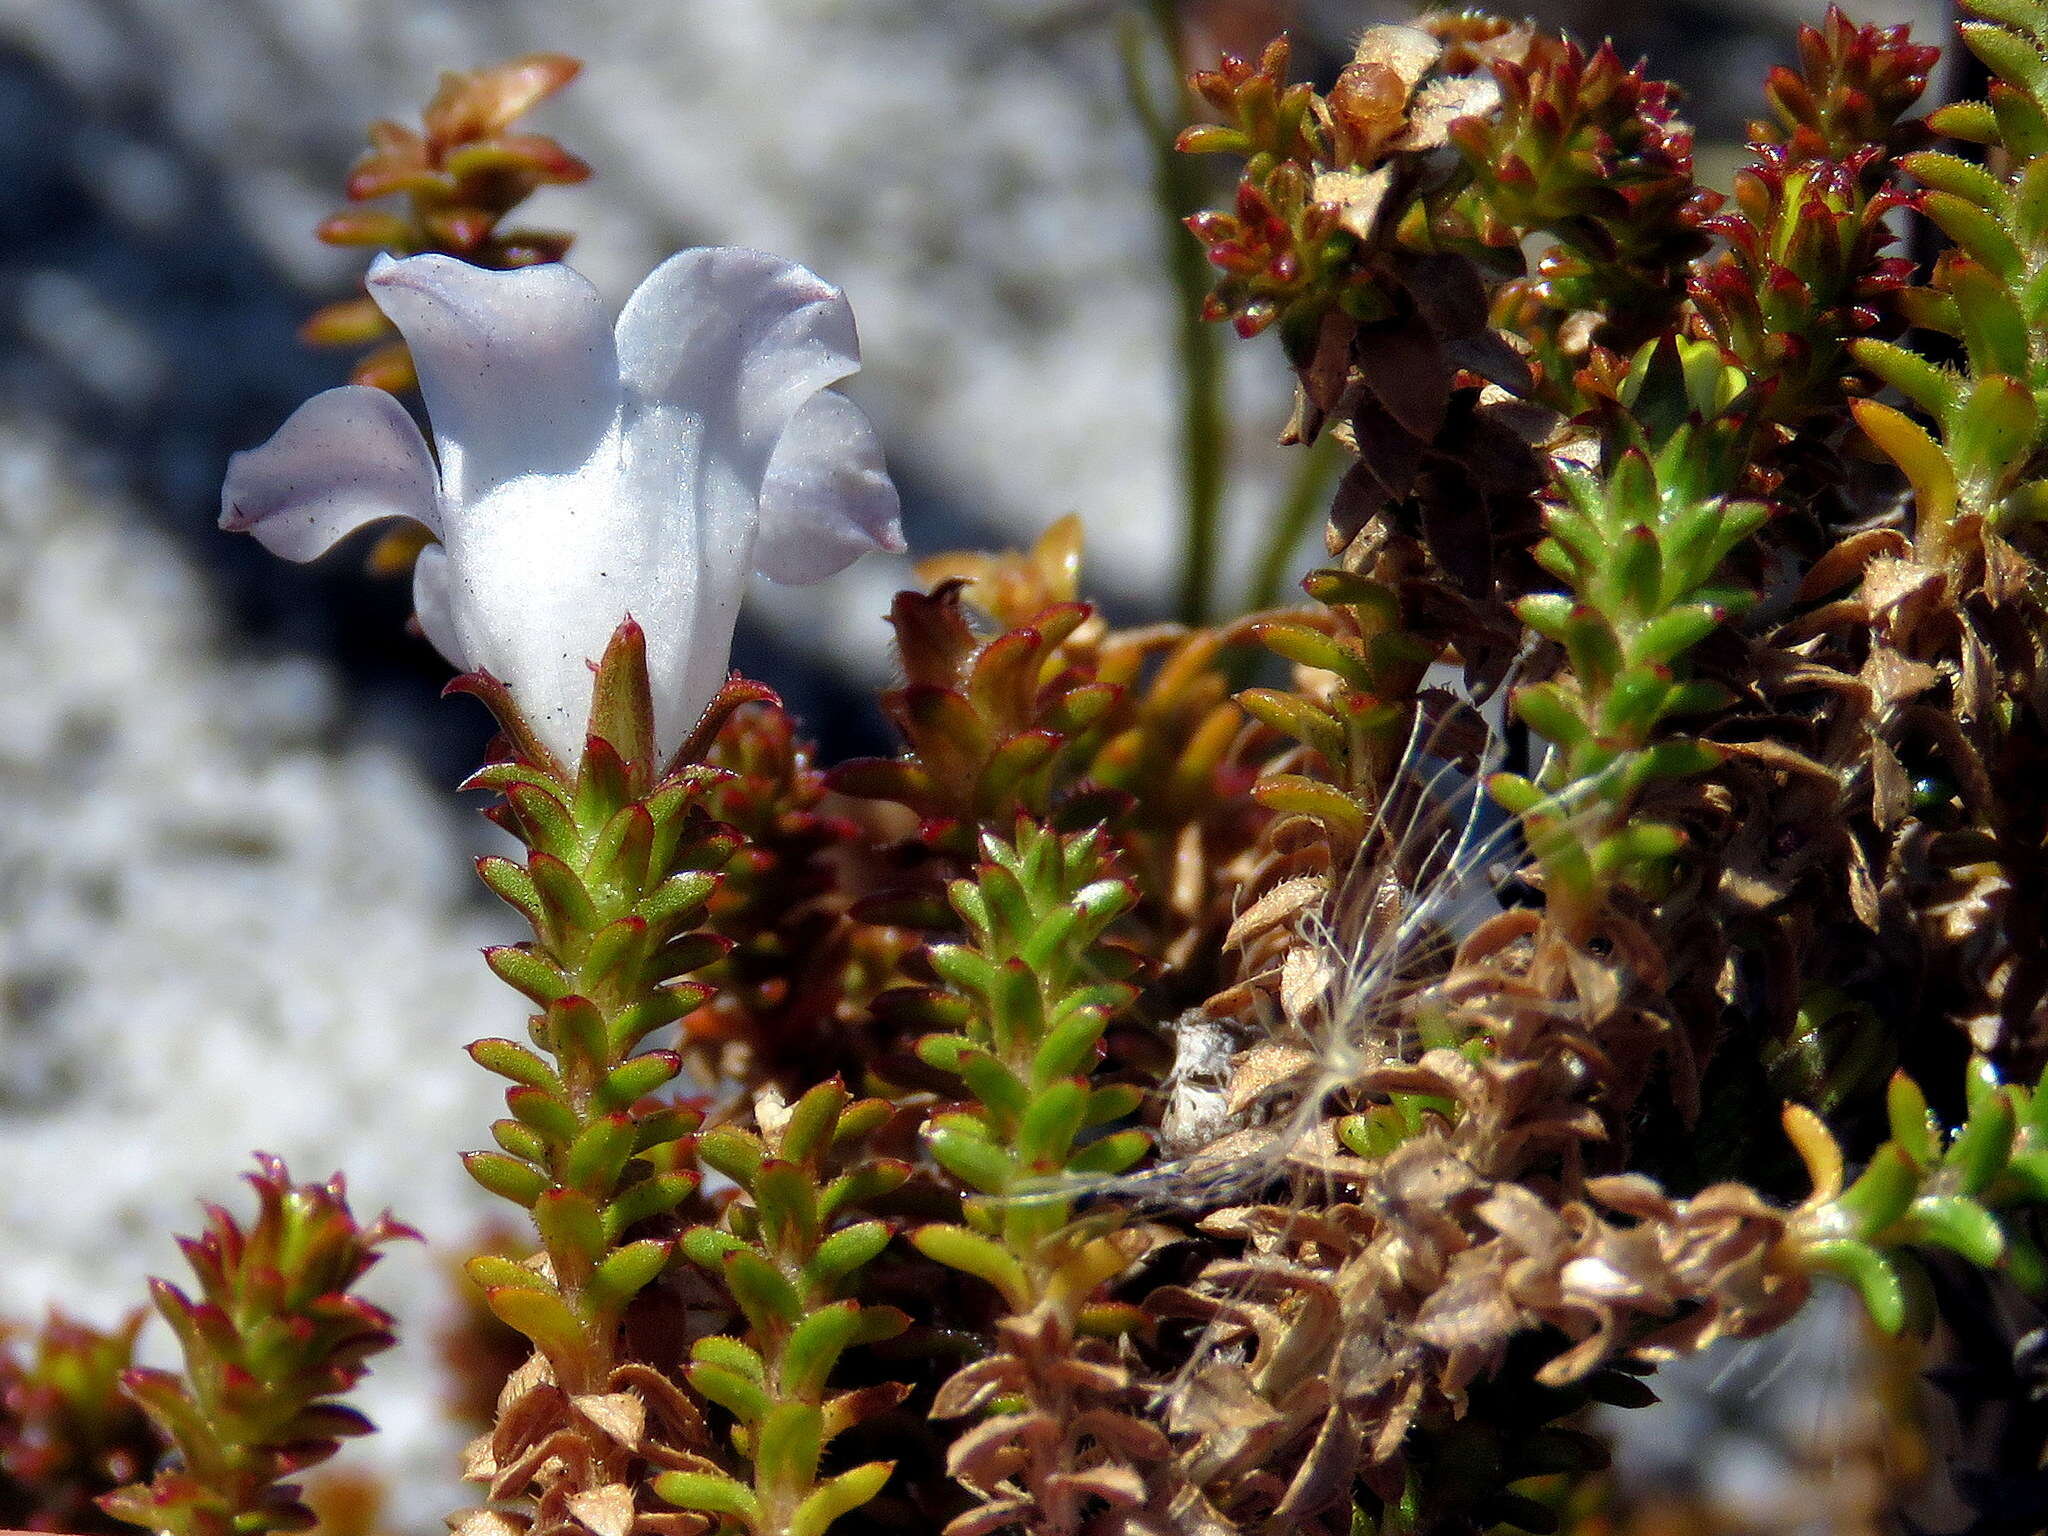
434 604
719 349
345 458
517 367
740 339
827 499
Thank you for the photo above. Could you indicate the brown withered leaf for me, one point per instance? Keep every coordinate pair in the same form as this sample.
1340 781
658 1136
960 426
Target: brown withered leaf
607 1511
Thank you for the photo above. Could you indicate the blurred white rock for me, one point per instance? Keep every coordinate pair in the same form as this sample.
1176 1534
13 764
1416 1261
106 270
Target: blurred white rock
222 927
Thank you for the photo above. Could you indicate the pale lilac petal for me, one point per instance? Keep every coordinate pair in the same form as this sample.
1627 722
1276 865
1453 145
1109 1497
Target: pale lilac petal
434 603
828 498
719 349
517 368
741 340
345 458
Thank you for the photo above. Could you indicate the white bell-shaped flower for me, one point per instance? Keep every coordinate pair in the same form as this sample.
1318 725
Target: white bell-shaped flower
589 472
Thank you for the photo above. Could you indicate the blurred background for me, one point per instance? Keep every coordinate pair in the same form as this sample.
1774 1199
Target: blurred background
235 905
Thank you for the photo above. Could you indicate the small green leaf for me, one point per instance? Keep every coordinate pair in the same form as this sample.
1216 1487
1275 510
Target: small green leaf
526 972
569 1222
1112 1153
762 1291
1880 1196
626 1271
539 1315
494 1272
787 1444
733 1355
598 1156
973 1159
655 1195
1926 468
1912 1127
736 1154
814 1348
508 1059
808 1130
506 1177
1873 1275
1912 375
973 1254
1980 1149
1045 1137
734 1391
1962 1226
839 1496
635 1078
712 1492
844 1252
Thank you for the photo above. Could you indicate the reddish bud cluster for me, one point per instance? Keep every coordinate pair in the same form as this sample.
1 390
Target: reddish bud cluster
461 174
1852 88
67 1432
274 1338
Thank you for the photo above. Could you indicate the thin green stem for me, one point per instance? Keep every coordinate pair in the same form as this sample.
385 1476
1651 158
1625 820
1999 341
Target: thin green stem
1307 494
1177 192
